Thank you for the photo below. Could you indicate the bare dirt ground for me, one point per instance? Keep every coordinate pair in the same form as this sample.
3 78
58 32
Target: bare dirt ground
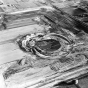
8 50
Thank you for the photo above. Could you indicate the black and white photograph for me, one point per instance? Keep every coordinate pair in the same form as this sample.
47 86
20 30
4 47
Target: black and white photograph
43 43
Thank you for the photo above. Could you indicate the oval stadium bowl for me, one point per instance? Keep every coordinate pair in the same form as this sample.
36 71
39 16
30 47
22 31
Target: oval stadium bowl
43 47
